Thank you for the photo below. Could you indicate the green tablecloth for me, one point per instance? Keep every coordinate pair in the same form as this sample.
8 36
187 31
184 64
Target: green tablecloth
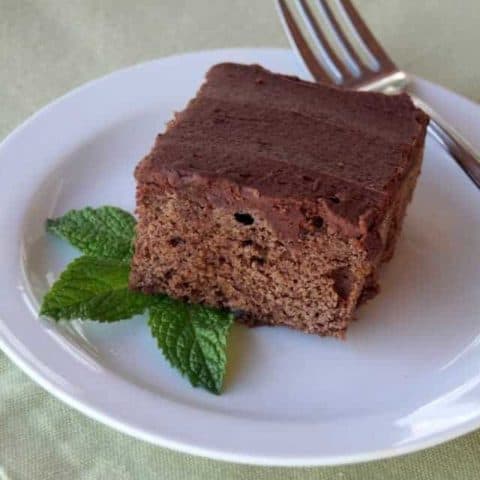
49 46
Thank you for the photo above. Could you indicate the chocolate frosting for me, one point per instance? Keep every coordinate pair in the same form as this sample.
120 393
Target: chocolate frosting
290 148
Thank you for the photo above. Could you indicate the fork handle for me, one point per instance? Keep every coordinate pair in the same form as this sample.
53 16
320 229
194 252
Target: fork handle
462 152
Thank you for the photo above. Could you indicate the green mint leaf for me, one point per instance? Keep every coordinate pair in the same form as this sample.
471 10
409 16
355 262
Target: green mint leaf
94 289
193 338
105 232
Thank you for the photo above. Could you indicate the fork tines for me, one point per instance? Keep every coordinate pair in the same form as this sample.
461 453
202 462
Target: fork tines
321 54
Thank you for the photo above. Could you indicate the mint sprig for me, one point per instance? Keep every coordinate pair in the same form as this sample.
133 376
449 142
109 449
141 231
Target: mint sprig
193 339
105 232
95 286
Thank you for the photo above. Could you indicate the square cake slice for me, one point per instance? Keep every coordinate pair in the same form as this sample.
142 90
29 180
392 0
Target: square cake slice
276 198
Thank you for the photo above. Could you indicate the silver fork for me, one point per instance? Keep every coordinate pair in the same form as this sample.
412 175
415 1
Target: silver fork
382 75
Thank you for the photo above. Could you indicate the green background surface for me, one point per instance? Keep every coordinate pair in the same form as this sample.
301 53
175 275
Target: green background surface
48 47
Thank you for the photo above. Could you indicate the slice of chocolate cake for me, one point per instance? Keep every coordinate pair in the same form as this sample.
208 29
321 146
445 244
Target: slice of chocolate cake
276 198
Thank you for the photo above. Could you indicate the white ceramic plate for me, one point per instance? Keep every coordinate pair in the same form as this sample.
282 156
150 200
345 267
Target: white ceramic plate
407 377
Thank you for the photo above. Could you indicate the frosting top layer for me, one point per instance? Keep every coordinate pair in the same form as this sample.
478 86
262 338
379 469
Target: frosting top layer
280 138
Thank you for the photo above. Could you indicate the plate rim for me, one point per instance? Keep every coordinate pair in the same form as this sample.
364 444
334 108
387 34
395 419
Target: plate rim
139 433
